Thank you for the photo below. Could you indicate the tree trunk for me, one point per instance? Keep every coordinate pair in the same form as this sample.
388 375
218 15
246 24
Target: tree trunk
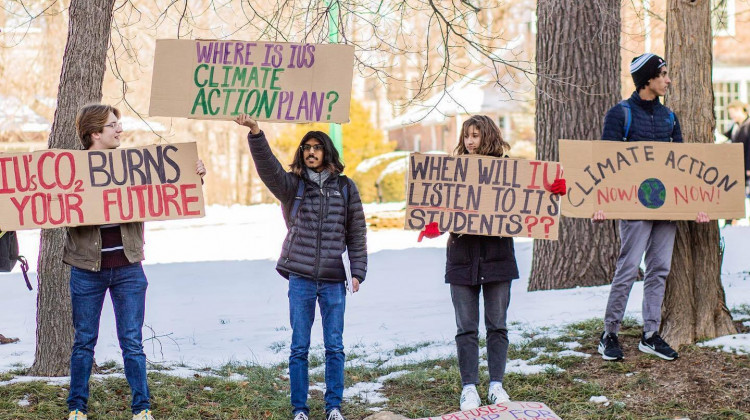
84 63
578 80
694 304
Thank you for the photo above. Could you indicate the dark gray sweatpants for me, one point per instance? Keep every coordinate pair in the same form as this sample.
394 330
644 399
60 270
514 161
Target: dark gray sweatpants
466 306
656 239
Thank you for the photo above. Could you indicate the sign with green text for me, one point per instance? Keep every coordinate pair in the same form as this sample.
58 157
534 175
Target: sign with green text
642 180
270 81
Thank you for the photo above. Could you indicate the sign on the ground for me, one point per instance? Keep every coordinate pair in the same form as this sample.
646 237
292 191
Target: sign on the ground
653 180
512 410
56 188
482 195
270 81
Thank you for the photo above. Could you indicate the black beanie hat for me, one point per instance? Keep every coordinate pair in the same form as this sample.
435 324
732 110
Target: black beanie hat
644 68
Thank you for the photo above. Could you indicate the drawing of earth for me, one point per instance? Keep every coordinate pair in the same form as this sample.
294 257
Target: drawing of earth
652 193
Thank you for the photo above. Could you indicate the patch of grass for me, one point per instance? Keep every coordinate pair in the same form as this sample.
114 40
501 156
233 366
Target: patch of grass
701 384
404 350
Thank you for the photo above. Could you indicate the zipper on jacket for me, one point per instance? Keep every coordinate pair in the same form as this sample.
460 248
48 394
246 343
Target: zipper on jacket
319 233
291 244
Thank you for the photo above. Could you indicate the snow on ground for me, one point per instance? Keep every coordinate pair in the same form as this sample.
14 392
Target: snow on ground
214 296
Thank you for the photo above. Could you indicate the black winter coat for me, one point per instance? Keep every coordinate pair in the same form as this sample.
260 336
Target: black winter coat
475 259
649 122
323 227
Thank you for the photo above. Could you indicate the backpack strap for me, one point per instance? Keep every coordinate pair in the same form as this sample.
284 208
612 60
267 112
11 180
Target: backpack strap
343 181
295 205
628 119
672 123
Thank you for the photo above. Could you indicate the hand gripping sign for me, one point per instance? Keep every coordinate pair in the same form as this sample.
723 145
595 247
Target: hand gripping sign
270 81
56 188
482 195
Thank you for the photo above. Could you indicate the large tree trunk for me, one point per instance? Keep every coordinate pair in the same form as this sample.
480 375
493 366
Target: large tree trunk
84 63
578 72
694 305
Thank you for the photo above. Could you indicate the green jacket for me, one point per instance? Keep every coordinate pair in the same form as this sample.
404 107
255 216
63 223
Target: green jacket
83 245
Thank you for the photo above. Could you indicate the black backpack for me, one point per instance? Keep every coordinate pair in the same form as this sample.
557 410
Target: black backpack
9 255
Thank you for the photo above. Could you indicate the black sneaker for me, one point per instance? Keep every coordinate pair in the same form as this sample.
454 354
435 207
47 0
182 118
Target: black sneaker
609 347
657 346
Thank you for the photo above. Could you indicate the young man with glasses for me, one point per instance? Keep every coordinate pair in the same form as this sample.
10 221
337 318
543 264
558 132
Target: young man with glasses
642 118
328 221
107 257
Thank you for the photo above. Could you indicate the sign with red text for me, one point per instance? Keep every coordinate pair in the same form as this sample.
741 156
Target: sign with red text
653 180
56 187
482 195
512 410
270 81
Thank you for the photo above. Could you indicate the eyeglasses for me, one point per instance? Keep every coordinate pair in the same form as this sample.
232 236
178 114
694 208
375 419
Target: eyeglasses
114 124
316 147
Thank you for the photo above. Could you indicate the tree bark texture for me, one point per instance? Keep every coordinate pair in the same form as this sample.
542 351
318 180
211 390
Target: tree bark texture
578 80
694 304
81 77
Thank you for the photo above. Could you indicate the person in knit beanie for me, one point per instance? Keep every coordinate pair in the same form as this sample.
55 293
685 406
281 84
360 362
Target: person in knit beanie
644 68
642 117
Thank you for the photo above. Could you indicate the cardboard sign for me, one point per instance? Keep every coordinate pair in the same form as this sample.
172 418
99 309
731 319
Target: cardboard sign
270 81
653 180
512 410
56 188
482 195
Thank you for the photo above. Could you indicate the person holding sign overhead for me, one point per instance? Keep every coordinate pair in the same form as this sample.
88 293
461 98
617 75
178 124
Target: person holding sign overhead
327 233
102 258
485 264
642 117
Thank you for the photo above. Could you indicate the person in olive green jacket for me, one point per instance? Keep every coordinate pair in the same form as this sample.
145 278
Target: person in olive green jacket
107 257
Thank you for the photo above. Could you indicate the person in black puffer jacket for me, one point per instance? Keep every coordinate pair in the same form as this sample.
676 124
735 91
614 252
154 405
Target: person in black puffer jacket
329 221
642 118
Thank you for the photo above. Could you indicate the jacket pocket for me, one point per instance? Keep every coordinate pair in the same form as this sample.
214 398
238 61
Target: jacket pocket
290 243
457 251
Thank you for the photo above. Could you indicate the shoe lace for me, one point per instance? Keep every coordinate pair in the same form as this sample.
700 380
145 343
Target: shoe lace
301 416
612 340
335 414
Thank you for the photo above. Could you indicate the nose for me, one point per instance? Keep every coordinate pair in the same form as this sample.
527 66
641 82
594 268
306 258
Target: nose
668 80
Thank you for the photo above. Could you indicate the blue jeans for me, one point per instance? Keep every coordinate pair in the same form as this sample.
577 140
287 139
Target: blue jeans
331 297
127 289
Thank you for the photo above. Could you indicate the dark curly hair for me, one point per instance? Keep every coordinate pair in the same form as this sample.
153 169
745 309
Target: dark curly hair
331 160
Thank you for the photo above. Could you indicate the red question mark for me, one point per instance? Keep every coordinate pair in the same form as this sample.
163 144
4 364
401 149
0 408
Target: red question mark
548 222
532 224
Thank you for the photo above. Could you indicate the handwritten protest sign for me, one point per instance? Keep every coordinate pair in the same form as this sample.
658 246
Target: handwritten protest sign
482 195
270 81
653 180
56 188
512 410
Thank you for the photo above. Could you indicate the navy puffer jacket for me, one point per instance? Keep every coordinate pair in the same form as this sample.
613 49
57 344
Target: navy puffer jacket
324 226
650 121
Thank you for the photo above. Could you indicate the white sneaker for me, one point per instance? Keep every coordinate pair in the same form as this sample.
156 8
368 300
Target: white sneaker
143 415
497 394
469 398
335 414
76 415
301 416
